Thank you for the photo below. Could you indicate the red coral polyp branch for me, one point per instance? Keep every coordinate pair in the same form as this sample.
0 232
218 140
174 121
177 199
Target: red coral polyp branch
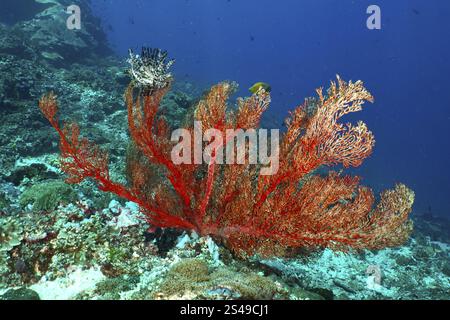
252 213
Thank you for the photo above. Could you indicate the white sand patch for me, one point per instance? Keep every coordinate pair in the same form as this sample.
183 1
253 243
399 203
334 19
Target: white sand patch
68 287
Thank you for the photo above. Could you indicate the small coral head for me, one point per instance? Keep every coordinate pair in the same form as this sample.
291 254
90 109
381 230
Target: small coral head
150 70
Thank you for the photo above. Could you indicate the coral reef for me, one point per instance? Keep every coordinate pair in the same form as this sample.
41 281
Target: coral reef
45 27
10 233
47 196
29 43
20 294
92 245
77 253
191 278
50 243
403 274
89 79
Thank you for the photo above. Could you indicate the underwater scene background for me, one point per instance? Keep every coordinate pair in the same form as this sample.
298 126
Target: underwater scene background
73 241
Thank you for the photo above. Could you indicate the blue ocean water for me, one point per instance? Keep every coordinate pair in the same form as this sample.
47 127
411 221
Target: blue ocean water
297 46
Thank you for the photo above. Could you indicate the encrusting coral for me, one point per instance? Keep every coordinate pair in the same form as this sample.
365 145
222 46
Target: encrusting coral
11 234
249 212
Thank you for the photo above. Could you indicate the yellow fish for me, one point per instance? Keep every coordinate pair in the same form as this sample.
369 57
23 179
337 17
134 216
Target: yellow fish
255 88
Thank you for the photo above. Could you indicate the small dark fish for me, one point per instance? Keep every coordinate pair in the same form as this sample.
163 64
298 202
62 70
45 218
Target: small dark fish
252 38
417 12
131 20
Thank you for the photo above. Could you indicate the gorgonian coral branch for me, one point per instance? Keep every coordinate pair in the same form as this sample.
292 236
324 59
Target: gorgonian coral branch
249 212
81 159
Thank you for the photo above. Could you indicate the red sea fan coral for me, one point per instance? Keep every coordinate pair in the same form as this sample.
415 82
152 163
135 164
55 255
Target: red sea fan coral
249 212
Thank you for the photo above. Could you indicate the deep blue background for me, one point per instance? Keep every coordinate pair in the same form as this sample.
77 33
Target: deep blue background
298 45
